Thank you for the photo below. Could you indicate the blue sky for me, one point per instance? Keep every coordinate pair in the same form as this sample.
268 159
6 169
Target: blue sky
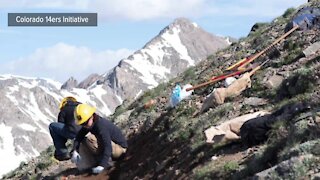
123 27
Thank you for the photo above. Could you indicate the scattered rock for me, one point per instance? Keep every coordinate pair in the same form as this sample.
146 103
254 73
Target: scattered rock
123 118
286 169
312 49
254 101
227 55
213 158
149 103
274 81
161 166
301 149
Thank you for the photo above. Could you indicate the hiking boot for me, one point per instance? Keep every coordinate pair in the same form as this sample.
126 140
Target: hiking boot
62 157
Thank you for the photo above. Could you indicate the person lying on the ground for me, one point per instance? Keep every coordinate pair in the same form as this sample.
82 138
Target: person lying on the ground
255 130
108 143
229 131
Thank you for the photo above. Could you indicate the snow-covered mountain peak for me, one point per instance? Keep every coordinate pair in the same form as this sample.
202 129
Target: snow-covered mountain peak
178 46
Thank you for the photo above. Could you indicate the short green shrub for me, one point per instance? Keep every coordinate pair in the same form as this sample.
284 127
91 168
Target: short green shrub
119 110
231 166
292 57
44 165
301 81
288 12
189 73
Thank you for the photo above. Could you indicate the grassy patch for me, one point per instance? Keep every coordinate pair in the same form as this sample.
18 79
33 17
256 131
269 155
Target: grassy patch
292 57
44 165
277 132
185 110
291 45
230 166
204 172
160 89
300 82
258 89
184 135
259 27
260 161
288 12
220 111
189 75
119 110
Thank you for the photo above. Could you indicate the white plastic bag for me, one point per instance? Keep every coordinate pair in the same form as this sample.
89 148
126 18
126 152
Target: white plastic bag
184 93
228 81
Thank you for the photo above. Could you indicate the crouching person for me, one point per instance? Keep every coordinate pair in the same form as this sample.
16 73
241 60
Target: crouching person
65 128
98 141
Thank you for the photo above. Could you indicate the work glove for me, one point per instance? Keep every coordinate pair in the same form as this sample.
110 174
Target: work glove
75 157
97 170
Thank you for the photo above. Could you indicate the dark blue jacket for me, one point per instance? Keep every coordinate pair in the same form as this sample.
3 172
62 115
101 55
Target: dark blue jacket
105 132
66 116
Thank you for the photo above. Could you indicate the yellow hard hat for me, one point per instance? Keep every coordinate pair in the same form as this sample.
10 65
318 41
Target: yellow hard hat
65 100
83 112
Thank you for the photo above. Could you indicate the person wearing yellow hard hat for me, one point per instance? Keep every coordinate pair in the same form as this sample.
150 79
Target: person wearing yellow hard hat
65 100
108 141
65 128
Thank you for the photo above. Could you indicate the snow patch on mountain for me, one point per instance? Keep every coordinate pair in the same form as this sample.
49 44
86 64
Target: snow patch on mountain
147 69
34 110
173 40
27 127
14 88
119 98
195 24
98 91
12 98
151 57
50 113
7 146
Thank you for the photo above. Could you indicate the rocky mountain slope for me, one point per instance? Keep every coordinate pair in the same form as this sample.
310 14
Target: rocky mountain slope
169 143
30 104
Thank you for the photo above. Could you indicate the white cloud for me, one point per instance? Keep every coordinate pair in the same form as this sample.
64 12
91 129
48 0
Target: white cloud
146 9
151 9
59 4
118 9
61 61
